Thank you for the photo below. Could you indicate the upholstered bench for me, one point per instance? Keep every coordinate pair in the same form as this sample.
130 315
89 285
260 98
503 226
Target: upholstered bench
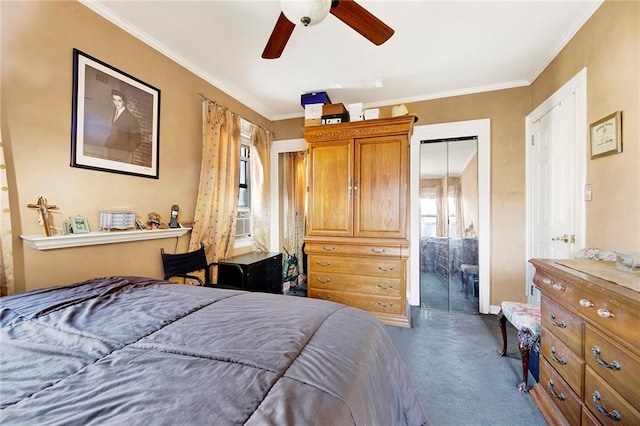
526 319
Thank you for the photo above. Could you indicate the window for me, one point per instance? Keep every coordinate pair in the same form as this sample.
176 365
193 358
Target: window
243 218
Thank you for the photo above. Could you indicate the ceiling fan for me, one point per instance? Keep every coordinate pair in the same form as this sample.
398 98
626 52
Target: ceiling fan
311 12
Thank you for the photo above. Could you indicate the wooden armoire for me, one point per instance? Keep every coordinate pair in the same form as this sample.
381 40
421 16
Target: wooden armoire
357 228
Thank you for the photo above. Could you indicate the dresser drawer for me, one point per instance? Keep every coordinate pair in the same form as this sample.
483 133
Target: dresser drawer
615 365
355 249
377 267
612 318
565 325
560 393
569 365
390 305
606 404
356 283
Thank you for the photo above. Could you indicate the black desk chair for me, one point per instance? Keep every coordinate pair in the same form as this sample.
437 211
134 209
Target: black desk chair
186 265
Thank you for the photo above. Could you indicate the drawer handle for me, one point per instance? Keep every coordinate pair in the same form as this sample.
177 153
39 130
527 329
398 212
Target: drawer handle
615 365
385 269
547 281
557 286
375 250
586 303
385 305
325 248
323 264
385 287
327 297
552 352
604 313
328 280
561 324
559 396
611 414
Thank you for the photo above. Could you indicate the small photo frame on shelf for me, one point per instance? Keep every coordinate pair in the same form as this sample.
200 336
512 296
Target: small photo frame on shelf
606 135
79 224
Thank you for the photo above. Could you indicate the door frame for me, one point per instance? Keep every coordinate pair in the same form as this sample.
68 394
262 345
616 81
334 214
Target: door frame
482 130
278 147
578 85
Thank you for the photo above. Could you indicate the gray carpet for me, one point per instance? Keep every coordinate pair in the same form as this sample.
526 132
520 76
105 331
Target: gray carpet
460 378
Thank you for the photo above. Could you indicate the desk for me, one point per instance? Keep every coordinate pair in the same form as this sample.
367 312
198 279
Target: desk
260 272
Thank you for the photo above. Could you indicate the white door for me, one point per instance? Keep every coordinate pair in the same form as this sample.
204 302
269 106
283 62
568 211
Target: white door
555 207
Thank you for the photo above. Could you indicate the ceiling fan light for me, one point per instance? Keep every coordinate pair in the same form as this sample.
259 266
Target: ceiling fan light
305 12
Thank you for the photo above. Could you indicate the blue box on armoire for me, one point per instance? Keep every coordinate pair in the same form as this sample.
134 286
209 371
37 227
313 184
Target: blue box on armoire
314 98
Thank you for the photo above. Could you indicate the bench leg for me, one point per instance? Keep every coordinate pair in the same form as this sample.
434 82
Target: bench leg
526 340
502 321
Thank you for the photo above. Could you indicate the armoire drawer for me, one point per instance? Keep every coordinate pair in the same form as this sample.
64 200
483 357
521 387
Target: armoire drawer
355 249
356 283
377 267
566 362
614 364
565 325
560 393
606 404
371 303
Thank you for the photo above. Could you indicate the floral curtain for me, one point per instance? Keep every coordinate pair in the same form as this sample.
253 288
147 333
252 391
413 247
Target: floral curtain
217 202
6 250
261 141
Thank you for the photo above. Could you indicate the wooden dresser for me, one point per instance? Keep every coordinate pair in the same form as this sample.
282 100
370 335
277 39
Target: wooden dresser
356 238
590 348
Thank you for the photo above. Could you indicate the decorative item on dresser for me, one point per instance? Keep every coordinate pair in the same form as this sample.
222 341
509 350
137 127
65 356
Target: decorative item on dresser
356 238
590 363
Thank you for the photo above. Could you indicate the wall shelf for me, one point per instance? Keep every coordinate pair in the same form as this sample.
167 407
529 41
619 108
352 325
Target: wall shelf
42 242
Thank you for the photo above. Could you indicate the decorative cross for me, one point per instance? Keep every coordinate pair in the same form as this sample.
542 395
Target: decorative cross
43 213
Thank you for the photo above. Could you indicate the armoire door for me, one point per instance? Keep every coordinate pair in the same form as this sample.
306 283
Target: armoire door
380 193
330 211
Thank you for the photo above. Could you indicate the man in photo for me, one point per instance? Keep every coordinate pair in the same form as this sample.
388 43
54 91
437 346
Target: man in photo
125 131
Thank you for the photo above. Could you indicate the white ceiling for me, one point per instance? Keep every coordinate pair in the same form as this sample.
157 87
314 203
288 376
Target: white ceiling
440 48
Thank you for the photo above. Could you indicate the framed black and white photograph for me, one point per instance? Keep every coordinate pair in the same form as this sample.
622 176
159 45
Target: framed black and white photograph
115 120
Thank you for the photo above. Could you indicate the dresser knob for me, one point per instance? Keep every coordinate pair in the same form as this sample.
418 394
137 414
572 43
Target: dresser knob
325 248
385 305
547 281
586 303
328 280
385 287
323 264
611 414
557 286
385 269
615 365
375 250
604 313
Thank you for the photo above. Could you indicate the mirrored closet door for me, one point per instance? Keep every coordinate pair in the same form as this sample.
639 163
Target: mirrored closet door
448 224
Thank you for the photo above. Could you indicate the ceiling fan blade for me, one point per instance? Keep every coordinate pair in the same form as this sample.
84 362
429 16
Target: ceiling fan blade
279 38
361 20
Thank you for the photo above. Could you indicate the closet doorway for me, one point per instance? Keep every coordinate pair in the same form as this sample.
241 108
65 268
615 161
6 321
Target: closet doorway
448 189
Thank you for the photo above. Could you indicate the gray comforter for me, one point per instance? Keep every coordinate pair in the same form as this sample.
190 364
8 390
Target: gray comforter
128 350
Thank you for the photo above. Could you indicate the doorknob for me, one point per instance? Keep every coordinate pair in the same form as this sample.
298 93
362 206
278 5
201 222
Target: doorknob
565 238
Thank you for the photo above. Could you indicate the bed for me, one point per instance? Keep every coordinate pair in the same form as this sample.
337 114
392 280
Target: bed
132 350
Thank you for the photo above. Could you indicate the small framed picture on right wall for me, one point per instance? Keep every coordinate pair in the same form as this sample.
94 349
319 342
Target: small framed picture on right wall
606 135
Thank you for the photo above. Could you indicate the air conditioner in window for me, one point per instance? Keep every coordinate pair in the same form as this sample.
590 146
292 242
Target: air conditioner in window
243 223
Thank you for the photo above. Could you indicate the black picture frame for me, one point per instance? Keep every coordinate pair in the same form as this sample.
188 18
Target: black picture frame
129 144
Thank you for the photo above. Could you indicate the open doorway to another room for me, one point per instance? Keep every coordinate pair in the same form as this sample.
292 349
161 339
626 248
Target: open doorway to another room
292 188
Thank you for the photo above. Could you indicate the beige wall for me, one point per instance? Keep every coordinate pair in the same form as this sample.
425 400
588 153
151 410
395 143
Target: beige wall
609 46
37 43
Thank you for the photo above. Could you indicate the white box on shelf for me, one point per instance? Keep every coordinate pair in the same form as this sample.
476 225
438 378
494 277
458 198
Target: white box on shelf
313 111
371 113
